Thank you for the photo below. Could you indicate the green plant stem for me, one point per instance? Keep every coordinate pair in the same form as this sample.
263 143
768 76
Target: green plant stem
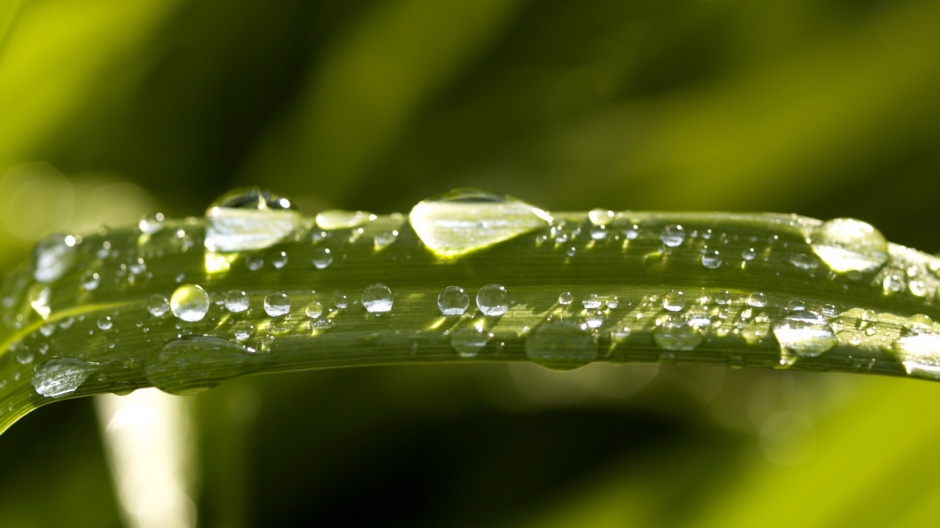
628 276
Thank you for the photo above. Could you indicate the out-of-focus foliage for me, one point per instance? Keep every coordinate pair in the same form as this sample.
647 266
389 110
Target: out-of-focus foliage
110 108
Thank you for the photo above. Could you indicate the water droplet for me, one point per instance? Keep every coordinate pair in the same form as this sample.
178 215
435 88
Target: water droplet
668 359
254 262
846 244
192 364
151 223
53 256
673 235
322 258
795 305
337 219
189 302
612 302
600 217
60 376
24 355
377 298
598 232
631 233
236 301
676 334
748 254
918 288
805 333
565 298
453 301
279 260
594 320
158 305
920 354
892 283
468 340
314 309
804 261
104 322
39 297
249 218
90 280
591 301
723 297
493 300
276 304
340 300
385 239
560 345
571 251
243 330
466 220
674 301
711 258
757 300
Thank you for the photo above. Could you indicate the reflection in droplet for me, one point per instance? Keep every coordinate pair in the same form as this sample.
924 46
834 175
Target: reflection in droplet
846 244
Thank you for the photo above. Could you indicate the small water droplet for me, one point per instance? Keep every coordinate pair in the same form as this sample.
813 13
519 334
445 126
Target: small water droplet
804 333
493 300
385 239
333 219
918 288
60 376
466 220
54 256
749 254
254 262
158 305
711 258
340 300
279 260
249 218
193 364
594 319
151 223
598 232
757 300
560 345
377 298
804 261
276 304
631 233
314 309
674 301
243 330
601 217
24 355
676 334
105 323
236 301
892 283
468 340
612 302
453 301
795 305
723 297
189 302
90 280
39 298
565 298
846 244
591 301
322 258
673 235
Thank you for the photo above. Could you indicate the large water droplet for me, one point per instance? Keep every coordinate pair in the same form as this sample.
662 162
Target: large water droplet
276 304
189 302
676 334
192 364
377 298
674 301
920 354
561 345
466 220
246 219
236 301
846 244
453 301
468 340
53 256
804 333
493 300
61 376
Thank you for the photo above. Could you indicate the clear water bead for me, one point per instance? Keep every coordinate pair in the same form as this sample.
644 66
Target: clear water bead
466 220
601 217
189 302
247 219
676 334
453 301
54 256
565 298
846 244
314 309
385 239
757 300
276 304
105 323
493 300
158 305
61 376
468 340
90 281
674 301
672 235
322 258
591 301
377 298
151 223
711 258
805 333
236 301
561 345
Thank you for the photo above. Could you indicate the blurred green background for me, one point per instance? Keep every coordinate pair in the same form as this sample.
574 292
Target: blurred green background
112 108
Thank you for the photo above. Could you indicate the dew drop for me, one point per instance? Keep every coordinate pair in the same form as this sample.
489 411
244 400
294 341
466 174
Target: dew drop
189 302
631 233
892 284
468 340
243 330
560 345
249 218
601 217
918 288
674 301
565 298
254 262
591 301
105 323
757 300
151 223
467 220
279 260
493 300
276 304
90 280
749 254
236 301
723 297
338 219
192 364
598 232
676 334
805 333
340 300
314 309
804 261
711 258
673 235
53 256
846 244
453 301
322 258
384 239
60 376
158 305
377 298
39 298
